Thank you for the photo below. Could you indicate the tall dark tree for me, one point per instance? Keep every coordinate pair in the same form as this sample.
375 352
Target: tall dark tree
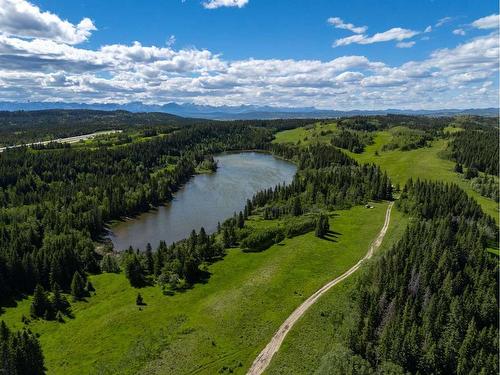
40 302
297 207
241 220
322 226
59 302
78 286
134 271
148 254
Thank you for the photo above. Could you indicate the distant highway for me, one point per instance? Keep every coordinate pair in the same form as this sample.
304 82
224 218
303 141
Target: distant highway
74 139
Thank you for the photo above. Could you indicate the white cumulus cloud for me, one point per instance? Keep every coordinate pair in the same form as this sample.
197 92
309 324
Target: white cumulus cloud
338 23
36 67
443 21
23 19
488 22
405 44
214 4
459 32
396 33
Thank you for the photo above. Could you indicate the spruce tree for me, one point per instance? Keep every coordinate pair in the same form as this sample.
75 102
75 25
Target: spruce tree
40 303
149 266
90 287
322 226
297 207
225 237
241 220
109 264
134 271
77 286
59 302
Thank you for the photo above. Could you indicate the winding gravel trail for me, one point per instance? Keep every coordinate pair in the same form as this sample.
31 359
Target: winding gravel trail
264 358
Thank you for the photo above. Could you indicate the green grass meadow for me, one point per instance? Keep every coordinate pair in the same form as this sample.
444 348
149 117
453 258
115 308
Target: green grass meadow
423 163
322 326
215 327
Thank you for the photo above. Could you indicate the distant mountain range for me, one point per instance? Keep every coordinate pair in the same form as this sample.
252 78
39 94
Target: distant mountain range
244 112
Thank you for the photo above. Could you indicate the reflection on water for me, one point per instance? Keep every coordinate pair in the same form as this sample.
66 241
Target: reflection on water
205 200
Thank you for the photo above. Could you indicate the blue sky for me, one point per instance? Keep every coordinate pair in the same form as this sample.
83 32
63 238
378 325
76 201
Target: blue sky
296 29
328 54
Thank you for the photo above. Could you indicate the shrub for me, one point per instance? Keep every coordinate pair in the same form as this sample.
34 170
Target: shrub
262 239
300 225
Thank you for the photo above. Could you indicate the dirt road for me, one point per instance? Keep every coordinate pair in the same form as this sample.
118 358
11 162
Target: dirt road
264 358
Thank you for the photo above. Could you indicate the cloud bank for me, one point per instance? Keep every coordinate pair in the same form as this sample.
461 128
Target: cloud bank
42 61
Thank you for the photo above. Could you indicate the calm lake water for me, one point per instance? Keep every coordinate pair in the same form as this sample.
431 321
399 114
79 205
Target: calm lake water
205 200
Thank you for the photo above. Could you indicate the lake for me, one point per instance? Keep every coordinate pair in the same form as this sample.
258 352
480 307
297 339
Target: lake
205 200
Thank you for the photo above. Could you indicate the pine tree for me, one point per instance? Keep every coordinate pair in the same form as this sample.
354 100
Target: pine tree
40 302
322 226
241 220
225 237
90 287
202 237
59 302
109 264
134 271
77 286
149 266
297 207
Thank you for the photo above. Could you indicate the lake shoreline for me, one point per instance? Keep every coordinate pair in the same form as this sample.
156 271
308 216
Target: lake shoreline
246 171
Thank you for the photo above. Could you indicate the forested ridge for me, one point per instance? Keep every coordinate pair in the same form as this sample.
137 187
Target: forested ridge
477 149
20 127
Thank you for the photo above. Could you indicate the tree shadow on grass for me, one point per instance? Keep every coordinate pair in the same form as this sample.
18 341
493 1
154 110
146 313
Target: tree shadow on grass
331 236
201 278
11 302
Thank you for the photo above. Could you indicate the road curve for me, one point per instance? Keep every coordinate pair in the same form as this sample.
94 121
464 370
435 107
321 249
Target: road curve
264 358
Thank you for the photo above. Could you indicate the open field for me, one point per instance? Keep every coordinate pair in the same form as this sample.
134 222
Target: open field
423 163
217 326
322 325
308 134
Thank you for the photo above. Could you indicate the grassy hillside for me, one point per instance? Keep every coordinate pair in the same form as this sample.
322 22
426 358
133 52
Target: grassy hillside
308 134
320 328
423 163
219 326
